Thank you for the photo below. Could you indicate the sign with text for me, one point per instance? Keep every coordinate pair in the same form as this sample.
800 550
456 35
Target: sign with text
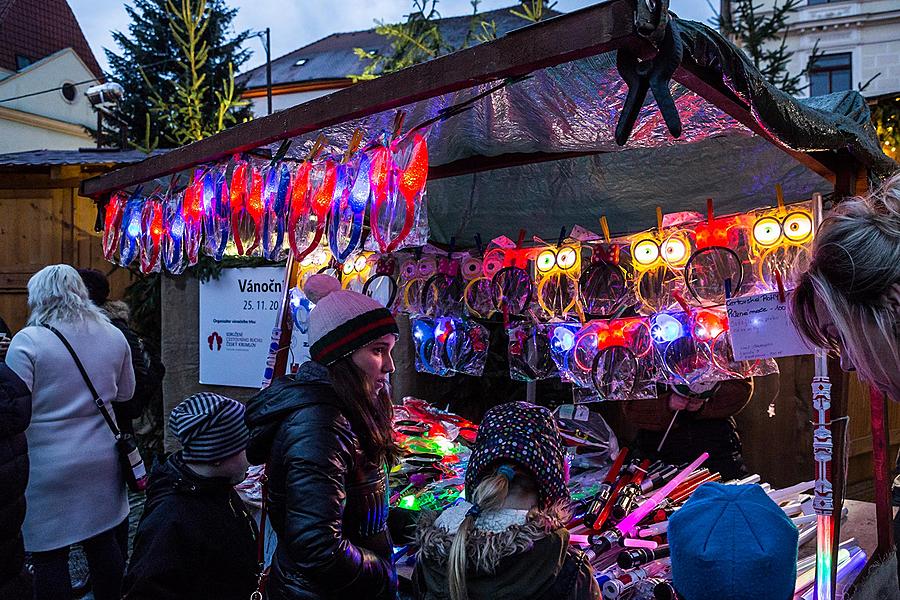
761 327
237 315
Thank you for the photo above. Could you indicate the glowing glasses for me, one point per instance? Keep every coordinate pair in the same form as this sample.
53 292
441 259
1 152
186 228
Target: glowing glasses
557 270
602 285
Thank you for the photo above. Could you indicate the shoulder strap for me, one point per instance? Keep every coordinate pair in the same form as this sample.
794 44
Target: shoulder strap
97 399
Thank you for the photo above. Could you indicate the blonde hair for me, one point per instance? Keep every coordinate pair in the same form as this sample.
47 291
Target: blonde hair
853 274
57 293
490 494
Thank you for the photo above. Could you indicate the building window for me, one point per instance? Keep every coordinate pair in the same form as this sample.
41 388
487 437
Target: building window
68 92
830 73
22 62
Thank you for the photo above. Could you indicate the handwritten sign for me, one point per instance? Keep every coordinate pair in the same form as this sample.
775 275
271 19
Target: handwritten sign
761 327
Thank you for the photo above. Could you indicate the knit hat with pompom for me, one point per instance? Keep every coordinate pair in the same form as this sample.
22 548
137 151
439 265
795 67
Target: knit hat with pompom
343 320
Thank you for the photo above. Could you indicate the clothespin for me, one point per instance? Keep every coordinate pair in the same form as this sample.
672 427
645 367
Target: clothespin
452 247
562 237
398 122
779 195
659 219
604 225
727 288
418 252
521 239
780 282
281 152
681 302
355 141
709 211
318 146
479 245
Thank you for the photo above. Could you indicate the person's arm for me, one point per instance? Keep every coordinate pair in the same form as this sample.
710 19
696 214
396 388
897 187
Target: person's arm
125 378
729 399
317 461
20 358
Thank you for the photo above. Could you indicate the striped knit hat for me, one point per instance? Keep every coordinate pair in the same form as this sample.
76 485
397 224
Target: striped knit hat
210 427
343 320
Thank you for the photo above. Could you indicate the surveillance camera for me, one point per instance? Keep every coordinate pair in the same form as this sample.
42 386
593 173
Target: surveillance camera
104 94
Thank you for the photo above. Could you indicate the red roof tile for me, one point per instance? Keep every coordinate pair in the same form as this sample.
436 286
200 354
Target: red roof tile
38 28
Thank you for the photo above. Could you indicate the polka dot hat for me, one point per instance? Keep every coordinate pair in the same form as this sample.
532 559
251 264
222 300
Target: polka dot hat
526 435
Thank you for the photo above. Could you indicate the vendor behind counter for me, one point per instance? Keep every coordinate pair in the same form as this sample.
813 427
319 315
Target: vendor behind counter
704 423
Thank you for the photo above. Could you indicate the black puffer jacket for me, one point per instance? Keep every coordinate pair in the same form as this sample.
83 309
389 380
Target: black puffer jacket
195 539
15 415
328 502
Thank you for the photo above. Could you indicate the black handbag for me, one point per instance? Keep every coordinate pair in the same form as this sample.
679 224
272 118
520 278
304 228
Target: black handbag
129 456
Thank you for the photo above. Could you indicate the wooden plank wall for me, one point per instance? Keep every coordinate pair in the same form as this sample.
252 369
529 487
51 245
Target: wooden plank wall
43 225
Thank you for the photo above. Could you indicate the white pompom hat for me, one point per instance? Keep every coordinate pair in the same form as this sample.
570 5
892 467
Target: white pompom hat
343 320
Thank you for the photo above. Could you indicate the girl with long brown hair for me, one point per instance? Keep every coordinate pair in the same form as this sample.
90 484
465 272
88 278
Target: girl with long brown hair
325 433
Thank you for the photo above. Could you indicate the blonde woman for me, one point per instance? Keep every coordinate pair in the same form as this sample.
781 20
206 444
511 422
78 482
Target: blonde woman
509 540
849 298
76 492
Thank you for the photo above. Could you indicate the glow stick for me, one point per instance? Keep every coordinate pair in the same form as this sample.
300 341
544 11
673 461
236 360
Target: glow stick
823 503
779 496
807 532
636 543
627 525
806 573
655 529
847 572
747 480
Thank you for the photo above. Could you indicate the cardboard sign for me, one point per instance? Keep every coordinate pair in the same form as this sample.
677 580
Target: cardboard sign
761 327
237 315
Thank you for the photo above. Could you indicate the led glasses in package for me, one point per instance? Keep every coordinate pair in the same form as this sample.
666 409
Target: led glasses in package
603 285
557 269
779 242
658 258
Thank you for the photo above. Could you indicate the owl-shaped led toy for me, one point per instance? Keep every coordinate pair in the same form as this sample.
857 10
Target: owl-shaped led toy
715 270
355 271
779 242
658 258
557 270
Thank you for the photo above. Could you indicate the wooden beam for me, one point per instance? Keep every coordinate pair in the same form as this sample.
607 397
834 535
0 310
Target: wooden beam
882 473
593 30
478 164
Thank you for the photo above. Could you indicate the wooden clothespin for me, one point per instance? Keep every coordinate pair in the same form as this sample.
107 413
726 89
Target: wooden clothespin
355 141
562 237
659 219
779 195
604 226
710 211
318 146
521 239
479 245
681 302
780 283
398 122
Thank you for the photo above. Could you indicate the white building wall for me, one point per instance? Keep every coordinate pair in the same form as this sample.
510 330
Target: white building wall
20 137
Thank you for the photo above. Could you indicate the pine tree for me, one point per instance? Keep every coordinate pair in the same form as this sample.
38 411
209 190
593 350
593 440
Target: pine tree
152 66
762 35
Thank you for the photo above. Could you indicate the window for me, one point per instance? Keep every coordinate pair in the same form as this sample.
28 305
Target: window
68 91
830 73
22 62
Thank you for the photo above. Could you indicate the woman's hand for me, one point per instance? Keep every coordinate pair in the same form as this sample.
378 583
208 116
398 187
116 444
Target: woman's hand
679 402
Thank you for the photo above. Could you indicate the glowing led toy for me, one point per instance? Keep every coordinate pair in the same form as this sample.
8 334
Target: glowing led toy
151 234
557 269
173 235
314 262
512 289
443 291
300 307
275 192
779 240
311 197
823 500
657 258
398 173
355 271
715 271
424 342
351 196
608 356
603 284
112 224
530 354
460 346
246 207
216 213
415 274
192 212
382 285
129 239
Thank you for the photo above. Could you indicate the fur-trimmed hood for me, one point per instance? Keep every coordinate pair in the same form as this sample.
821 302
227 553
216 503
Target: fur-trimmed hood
522 561
116 310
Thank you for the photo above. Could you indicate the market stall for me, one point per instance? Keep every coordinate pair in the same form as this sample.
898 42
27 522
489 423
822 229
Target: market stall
470 188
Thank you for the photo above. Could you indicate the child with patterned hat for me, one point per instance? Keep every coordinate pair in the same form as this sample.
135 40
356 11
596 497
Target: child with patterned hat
195 538
508 538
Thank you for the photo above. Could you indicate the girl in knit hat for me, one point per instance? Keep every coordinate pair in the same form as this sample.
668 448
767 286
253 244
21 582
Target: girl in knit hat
508 539
325 434
196 539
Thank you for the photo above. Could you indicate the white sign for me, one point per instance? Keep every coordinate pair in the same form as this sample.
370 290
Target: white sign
237 315
761 327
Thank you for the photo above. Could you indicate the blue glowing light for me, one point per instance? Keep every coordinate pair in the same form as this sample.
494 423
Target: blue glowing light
563 339
666 328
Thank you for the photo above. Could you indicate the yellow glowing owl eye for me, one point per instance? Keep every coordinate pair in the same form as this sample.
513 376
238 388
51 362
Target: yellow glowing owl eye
797 226
645 252
767 231
566 258
348 267
360 263
546 260
674 251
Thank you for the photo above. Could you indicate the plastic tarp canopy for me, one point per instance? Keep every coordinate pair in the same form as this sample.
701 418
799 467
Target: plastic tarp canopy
574 107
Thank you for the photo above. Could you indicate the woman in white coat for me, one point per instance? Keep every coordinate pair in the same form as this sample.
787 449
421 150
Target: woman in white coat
76 491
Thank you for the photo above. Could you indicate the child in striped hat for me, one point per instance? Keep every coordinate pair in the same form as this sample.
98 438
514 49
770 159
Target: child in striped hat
196 539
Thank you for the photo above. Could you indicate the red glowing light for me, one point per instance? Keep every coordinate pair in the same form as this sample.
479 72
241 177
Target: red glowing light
713 233
708 325
412 182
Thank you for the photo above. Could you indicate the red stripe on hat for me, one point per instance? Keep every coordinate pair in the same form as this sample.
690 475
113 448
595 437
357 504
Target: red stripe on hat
355 334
